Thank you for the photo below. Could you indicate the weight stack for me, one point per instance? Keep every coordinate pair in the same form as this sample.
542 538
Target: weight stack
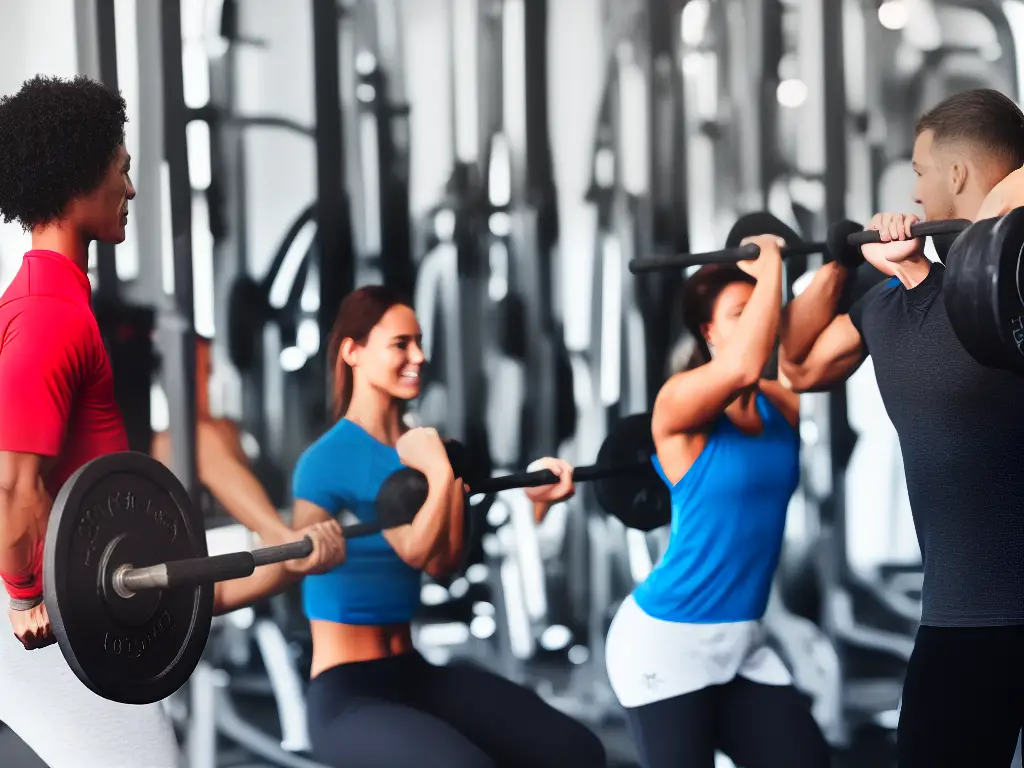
127 332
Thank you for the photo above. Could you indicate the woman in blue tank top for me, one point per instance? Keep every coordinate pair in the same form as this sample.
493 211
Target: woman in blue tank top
686 652
373 701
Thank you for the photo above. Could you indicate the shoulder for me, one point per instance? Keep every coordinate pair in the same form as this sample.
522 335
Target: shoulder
882 289
341 438
324 458
40 324
871 298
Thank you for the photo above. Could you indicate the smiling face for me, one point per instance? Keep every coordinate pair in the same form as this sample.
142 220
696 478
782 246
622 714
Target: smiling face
102 214
391 360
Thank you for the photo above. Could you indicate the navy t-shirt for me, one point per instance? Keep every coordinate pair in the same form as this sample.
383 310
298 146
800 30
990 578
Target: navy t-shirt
961 430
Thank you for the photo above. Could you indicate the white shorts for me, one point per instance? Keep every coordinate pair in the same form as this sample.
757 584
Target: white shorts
651 660
69 726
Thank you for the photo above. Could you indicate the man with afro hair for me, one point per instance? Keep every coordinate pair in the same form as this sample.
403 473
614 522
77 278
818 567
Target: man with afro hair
64 178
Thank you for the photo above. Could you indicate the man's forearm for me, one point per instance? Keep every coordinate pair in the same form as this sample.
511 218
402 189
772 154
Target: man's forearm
23 516
806 316
265 581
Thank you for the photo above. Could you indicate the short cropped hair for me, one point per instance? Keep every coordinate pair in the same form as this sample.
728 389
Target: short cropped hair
57 139
985 118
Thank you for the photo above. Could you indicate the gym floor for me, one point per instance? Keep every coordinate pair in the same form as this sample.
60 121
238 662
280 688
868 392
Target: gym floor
872 752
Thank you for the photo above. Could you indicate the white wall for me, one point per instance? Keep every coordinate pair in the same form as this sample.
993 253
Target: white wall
28 48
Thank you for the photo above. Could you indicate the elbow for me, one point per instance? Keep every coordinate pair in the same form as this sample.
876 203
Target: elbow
743 374
417 555
794 375
798 377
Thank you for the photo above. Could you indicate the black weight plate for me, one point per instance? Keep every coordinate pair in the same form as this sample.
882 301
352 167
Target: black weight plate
1004 276
125 508
247 314
837 244
400 497
641 500
968 295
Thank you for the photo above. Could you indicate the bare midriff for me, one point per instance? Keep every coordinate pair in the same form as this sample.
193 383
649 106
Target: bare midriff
335 644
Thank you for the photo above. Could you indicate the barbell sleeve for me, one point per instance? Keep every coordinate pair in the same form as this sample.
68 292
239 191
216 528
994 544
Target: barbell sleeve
747 252
920 229
547 477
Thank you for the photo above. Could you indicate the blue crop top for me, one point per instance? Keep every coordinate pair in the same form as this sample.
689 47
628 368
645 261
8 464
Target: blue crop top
343 471
728 518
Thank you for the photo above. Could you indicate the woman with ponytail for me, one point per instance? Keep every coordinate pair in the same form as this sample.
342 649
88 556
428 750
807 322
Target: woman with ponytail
686 652
374 701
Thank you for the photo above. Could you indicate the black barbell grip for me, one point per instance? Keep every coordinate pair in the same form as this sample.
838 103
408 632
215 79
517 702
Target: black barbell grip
547 477
920 229
747 252
234 565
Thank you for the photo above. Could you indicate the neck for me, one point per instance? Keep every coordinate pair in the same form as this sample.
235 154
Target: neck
64 239
376 412
912 272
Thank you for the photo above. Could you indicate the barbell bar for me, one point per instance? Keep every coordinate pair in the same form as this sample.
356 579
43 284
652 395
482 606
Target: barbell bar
626 484
836 246
190 572
918 229
747 252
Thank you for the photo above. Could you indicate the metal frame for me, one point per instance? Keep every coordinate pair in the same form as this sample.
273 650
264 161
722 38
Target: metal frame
335 250
176 318
97 57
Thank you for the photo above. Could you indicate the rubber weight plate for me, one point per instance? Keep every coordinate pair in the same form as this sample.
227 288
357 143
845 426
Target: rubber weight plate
641 500
963 292
982 292
125 508
1003 265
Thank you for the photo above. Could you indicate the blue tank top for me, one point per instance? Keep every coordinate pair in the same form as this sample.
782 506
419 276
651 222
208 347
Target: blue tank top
342 471
728 518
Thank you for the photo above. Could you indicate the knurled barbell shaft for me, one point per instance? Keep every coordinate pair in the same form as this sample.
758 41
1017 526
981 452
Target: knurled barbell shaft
746 252
547 477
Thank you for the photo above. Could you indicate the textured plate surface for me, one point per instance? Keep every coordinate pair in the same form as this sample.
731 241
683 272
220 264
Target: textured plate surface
125 508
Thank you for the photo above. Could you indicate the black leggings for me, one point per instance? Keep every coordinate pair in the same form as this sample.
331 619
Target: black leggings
757 726
963 698
402 711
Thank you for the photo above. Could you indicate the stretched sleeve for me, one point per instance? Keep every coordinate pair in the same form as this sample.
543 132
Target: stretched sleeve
44 351
315 479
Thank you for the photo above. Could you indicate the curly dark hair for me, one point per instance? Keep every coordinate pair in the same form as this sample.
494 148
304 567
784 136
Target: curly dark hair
57 139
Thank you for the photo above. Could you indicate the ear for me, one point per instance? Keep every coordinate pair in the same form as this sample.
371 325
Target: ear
957 177
349 352
705 331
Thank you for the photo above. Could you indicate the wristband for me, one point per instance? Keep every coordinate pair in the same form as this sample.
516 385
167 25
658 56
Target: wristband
17 604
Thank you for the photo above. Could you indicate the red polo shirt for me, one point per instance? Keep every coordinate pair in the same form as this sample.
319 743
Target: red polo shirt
56 384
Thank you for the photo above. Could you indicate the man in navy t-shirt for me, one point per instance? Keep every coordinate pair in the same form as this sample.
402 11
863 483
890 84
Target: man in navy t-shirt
961 431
